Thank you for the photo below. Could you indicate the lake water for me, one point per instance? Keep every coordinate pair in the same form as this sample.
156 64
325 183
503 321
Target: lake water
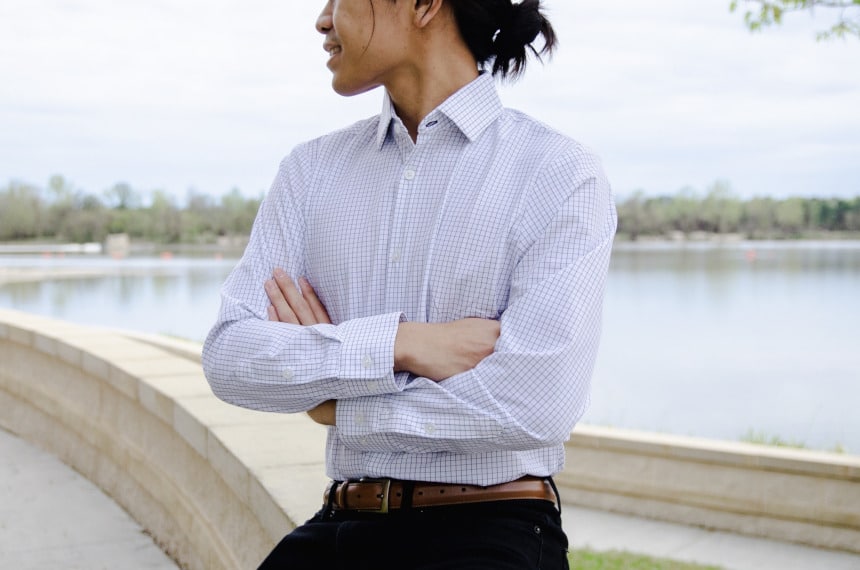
699 339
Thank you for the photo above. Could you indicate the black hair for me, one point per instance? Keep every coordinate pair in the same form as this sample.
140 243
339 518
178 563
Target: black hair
502 32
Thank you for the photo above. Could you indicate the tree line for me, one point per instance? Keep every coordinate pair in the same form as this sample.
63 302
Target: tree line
719 211
62 213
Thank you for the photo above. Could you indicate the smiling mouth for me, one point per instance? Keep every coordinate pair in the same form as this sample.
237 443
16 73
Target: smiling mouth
333 51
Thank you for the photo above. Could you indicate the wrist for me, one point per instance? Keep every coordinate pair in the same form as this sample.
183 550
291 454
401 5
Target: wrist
402 346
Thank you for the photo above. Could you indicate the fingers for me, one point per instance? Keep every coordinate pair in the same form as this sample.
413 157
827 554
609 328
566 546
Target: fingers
280 305
319 311
294 298
290 305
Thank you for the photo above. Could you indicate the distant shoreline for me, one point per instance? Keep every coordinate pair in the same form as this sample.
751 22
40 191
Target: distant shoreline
729 238
35 274
49 266
235 246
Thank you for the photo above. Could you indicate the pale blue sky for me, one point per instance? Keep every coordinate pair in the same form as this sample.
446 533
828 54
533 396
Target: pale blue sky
212 94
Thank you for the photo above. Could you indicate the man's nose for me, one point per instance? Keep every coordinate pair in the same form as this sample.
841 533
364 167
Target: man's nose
324 21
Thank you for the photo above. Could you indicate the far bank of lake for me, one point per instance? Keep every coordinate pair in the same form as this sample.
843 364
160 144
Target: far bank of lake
700 338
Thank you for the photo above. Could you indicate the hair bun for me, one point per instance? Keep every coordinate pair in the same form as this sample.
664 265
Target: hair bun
519 27
502 33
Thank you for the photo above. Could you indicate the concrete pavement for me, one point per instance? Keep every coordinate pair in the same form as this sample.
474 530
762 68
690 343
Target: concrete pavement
52 518
600 530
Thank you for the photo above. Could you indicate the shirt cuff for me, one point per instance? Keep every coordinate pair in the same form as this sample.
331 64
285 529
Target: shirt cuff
356 421
367 354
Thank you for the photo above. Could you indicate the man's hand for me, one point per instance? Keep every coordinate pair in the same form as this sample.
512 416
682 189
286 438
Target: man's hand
289 305
325 414
440 350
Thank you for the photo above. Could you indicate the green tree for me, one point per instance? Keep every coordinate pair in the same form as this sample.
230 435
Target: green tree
790 215
86 221
121 196
852 217
61 204
631 215
199 218
237 213
165 222
759 218
721 210
20 212
684 211
770 12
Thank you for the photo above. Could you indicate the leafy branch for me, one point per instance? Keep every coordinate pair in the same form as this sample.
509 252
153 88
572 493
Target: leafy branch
770 12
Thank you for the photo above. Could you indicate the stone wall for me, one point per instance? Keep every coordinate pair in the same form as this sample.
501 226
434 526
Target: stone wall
786 494
215 485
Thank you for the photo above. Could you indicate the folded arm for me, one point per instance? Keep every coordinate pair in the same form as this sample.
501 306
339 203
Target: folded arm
286 367
434 350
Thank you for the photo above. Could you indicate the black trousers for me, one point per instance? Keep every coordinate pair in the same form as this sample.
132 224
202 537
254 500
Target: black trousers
515 535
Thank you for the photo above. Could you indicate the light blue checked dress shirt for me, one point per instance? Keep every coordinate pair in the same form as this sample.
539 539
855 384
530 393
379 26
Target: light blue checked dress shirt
489 214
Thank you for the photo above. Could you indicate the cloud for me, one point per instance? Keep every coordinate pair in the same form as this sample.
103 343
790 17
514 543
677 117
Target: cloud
212 94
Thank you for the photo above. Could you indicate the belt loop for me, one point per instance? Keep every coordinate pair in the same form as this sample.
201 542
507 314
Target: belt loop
340 497
328 512
408 492
555 490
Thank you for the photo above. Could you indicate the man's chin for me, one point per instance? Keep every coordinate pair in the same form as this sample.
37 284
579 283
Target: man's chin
350 90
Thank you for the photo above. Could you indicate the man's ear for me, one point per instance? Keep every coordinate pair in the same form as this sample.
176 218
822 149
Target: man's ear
425 11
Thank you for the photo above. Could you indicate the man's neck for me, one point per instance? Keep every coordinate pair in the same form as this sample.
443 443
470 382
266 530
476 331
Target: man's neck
441 72
412 105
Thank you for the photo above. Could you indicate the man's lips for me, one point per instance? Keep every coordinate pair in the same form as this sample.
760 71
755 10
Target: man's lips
332 48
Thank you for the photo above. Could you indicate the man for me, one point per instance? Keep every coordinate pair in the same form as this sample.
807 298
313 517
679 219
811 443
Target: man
433 281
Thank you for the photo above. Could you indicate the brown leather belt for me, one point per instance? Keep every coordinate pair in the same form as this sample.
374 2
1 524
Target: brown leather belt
382 495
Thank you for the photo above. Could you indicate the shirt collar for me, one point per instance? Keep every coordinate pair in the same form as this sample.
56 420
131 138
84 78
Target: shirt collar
472 109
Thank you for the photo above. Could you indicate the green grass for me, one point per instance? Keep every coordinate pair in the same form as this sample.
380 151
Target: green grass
762 438
616 560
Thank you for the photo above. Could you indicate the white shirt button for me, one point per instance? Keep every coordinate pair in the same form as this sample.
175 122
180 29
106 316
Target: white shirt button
287 374
363 441
373 385
429 428
367 362
396 255
359 419
409 174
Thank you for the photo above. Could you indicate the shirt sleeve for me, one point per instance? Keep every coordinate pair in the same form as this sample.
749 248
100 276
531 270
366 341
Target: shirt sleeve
278 367
535 386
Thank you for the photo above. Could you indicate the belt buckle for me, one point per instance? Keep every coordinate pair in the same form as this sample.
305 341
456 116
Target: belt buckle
386 493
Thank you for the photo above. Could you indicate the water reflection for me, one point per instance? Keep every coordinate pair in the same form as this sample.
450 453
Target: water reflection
717 341
178 296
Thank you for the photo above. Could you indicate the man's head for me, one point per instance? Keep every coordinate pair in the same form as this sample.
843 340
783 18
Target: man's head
373 42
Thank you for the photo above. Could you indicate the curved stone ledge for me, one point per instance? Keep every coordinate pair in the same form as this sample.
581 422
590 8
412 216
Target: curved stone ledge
218 486
215 485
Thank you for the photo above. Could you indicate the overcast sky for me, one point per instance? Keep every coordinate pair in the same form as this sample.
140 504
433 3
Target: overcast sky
211 94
